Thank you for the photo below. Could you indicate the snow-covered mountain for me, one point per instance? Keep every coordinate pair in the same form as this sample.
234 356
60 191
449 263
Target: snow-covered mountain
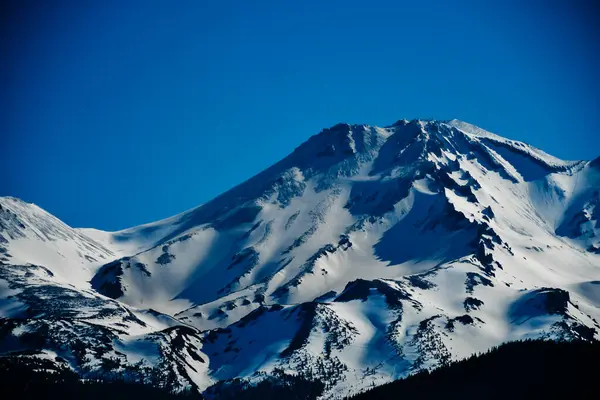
366 254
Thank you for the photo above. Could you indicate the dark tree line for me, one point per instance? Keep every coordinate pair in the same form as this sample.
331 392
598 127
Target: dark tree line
531 369
24 377
278 385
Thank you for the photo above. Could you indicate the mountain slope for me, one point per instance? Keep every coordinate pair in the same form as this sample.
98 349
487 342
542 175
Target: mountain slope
30 234
366 254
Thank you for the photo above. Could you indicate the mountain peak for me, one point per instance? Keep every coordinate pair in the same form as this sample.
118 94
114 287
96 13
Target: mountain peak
365 255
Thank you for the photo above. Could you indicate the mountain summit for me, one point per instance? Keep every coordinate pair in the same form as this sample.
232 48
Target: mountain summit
366 254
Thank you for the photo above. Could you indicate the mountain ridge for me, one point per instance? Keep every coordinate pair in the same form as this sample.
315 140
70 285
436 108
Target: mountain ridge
364 255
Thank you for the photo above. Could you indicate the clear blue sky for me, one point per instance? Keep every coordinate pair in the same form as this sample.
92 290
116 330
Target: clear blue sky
120 113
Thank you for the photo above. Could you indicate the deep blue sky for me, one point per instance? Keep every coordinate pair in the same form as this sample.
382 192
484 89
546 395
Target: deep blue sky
115 114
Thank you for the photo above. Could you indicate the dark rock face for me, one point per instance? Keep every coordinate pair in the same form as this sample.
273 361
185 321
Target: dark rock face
550 301
475 279
107 281
361 289
420 281
463 319
555 300
471 303
165 258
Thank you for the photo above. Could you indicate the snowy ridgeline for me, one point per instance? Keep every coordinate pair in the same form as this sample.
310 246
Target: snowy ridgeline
365 255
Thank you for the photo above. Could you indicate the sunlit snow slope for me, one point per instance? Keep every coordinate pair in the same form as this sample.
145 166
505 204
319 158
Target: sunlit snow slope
366 254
